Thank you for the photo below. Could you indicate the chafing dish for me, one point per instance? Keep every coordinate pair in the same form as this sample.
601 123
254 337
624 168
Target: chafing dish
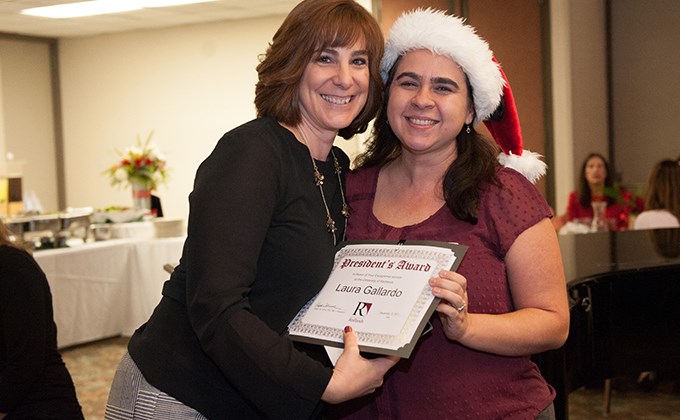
17 226
76 222
51 230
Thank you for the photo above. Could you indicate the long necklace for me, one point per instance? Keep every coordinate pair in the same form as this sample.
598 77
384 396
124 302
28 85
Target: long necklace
318 180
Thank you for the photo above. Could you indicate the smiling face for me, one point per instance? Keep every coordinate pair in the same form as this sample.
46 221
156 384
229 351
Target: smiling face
334 88
428 103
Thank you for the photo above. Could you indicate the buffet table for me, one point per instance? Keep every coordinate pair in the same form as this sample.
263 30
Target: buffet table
108 288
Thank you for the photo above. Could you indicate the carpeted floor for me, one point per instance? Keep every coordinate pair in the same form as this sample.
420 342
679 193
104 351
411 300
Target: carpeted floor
628 402
92 367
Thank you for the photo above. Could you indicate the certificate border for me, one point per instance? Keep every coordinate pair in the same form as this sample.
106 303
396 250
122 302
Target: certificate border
403 351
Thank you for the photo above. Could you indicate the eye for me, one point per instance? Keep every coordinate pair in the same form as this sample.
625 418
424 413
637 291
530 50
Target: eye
408 84
443 88
360 61
325 58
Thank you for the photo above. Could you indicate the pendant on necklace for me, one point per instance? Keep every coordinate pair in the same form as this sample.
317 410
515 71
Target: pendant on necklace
318 177
345 210
330 225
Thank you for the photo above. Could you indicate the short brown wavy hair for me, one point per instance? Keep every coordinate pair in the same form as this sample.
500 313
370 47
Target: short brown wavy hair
309 28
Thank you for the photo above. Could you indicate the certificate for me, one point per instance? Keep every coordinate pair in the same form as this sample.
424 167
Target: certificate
381 290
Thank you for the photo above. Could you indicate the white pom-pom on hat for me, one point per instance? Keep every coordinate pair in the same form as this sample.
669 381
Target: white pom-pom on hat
449 36
506 131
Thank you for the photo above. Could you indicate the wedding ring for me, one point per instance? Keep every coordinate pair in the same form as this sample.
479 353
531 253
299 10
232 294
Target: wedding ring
460 308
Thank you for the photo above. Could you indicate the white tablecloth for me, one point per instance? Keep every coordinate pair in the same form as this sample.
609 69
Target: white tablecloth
106 288
139 230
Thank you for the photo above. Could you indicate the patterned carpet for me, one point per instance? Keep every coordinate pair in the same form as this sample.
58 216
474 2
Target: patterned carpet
92 367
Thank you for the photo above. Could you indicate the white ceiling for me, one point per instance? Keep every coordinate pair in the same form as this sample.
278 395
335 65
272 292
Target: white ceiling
12 22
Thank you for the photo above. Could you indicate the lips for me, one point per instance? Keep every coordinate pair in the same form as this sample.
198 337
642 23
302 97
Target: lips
337 100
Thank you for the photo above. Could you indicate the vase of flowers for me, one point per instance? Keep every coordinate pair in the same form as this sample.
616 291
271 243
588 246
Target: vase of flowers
630 205
143 168
141 195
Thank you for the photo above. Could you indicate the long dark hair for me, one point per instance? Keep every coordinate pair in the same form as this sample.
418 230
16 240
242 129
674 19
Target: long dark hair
585 196
309 28
474 167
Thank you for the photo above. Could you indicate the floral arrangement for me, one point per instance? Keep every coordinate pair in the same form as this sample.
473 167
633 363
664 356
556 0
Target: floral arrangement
629 202
140 164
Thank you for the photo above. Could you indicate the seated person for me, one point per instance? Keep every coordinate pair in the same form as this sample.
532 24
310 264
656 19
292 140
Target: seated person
594 180
156 208
662 202
34 382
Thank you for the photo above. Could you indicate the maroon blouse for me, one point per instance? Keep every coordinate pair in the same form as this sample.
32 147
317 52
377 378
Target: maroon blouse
442 378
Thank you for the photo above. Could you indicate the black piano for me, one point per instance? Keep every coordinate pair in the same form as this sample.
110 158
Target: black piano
624 293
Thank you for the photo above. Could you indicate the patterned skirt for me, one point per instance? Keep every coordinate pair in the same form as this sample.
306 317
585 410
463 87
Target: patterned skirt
132 397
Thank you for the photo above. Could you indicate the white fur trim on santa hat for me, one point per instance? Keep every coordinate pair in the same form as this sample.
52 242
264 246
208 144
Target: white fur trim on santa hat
447 35
528 164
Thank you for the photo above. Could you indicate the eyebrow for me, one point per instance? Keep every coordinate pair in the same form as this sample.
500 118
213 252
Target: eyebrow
435 80
334 52
445 81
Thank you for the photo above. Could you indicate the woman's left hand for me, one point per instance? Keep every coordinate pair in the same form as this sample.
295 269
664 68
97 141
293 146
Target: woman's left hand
451 287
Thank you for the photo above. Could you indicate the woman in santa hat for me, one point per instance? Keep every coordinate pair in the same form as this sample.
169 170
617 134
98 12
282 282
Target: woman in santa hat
428 174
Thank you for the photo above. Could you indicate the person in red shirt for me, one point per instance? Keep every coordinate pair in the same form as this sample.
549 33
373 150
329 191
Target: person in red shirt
595 180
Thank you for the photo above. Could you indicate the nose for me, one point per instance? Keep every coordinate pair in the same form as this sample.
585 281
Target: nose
343 76
421 98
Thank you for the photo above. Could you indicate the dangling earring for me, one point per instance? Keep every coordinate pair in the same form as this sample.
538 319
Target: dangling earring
467 129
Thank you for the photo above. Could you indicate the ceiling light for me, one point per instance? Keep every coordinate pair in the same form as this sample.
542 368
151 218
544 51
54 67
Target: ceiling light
101 7
168 3
83 8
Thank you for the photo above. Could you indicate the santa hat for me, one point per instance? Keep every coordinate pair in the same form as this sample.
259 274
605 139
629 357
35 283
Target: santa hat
449 36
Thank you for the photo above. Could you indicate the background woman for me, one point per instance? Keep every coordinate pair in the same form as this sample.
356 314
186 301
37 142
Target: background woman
595 180
662 202
267 209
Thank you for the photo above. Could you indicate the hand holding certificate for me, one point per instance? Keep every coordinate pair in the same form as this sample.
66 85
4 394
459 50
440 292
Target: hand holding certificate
381 290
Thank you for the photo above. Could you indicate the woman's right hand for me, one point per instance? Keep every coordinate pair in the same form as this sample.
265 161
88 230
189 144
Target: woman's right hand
353 375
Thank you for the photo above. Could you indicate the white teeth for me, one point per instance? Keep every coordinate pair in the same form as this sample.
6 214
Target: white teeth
336 100
421 122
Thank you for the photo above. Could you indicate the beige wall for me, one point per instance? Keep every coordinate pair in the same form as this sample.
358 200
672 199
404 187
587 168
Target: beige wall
26 123
579 80
189 84
562 122
645 85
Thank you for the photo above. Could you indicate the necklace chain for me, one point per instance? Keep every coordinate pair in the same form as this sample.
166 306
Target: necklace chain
318 180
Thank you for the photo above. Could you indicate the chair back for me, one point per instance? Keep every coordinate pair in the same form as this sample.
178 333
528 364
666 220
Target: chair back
623 323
